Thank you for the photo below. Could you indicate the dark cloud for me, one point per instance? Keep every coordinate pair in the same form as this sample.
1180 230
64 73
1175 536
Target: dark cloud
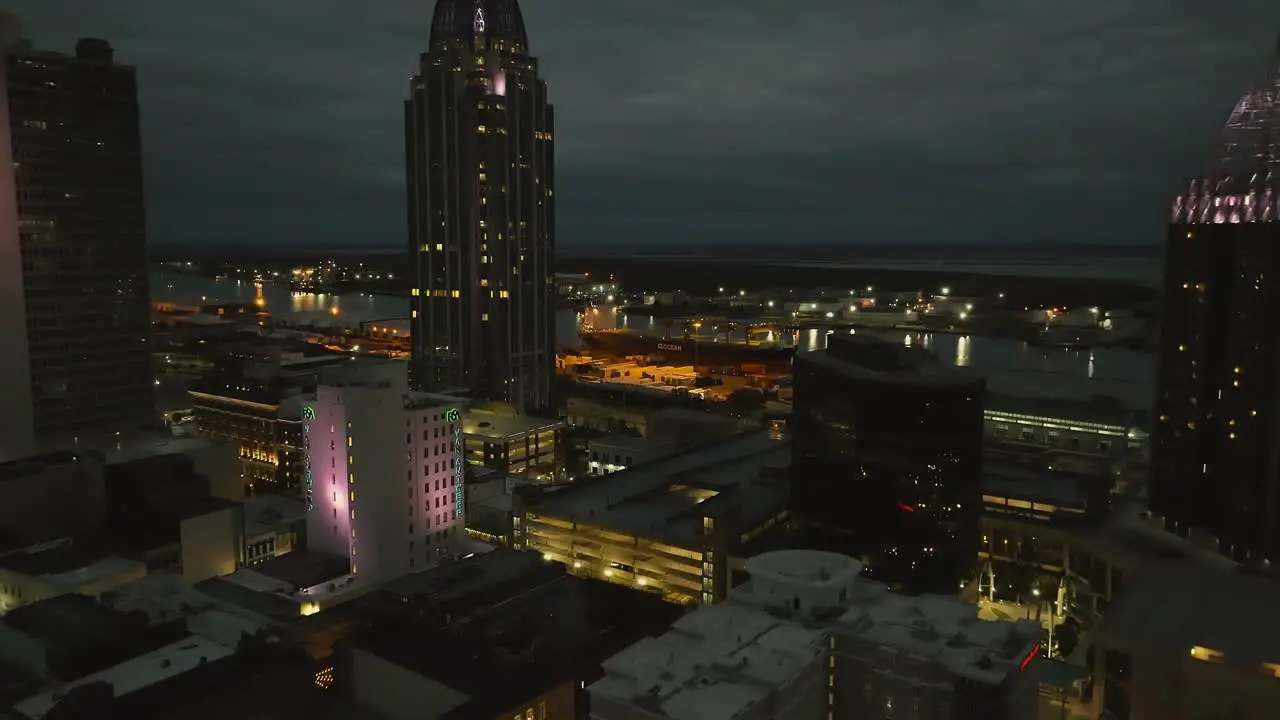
838 121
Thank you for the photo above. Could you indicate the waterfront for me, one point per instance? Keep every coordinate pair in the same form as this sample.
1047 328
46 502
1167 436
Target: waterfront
1011 366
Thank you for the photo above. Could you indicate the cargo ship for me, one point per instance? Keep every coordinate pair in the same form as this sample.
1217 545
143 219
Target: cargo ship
688 351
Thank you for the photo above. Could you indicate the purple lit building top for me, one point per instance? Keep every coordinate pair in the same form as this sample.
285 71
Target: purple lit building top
1243 183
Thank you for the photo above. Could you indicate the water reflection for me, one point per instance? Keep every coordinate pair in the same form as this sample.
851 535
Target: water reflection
1010 365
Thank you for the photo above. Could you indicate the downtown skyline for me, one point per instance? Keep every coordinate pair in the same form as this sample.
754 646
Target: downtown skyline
838 125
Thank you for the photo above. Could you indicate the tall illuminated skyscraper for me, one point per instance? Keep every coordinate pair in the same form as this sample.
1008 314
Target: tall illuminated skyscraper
74 309
1216 455
480 165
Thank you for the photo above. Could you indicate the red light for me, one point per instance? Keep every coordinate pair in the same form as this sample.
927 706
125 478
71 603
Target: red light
906 508
1030 656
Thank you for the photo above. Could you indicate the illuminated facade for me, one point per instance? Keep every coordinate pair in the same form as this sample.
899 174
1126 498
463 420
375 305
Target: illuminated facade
383 474
480 160
887 460
80 279
669 526
1214 456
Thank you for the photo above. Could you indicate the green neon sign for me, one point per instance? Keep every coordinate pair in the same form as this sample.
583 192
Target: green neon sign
308 413
451 415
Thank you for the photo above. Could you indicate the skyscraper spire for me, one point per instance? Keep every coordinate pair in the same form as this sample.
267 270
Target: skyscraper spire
457 21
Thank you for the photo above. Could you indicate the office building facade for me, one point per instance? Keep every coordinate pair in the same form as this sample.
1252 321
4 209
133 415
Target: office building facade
480 167
887 460
1215 461
383 473
76 311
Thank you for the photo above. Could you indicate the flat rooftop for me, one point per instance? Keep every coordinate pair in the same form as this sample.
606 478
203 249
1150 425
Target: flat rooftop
265 513
1096 409
917 366
157 444
1010 480
666 499
301 569
71 621
463 578
512 648
497 425
1175 607
140 672
67 565
721 660
34 464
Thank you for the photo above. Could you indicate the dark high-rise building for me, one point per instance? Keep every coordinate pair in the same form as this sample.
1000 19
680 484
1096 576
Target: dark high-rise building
887 460
74 305
478 132
1215 473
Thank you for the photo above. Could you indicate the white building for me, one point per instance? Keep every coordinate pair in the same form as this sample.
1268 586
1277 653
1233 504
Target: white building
808 639
383 472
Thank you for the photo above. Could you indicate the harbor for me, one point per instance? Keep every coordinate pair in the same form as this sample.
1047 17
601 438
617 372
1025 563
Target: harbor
1013 367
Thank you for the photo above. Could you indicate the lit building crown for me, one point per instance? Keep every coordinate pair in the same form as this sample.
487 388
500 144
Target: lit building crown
1251 135
1243 183
464 19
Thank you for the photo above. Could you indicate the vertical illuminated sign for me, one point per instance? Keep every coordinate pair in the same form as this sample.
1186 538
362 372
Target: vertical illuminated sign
478 25
308 483
459 456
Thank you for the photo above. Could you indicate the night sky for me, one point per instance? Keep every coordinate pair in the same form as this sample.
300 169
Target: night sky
751 121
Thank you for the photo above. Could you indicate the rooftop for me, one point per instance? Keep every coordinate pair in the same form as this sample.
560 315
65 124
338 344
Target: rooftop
497 425
277 607
465 577
35 464
721 660
67 565
1229 612
510 649
1009 480
70 621
136 674
1096 409
872 358
265 513
666 499
301 569
157 444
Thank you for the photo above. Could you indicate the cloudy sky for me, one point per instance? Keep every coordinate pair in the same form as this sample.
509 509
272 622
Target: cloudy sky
718 121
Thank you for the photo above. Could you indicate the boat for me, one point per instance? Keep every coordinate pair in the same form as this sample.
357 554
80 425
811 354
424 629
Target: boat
689 351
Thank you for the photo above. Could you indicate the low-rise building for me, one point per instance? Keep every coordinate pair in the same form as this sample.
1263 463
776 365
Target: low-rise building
513 444
496 636
273 526
246 401
807 638
1096 427
609 454
61 567
668 526
154 648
